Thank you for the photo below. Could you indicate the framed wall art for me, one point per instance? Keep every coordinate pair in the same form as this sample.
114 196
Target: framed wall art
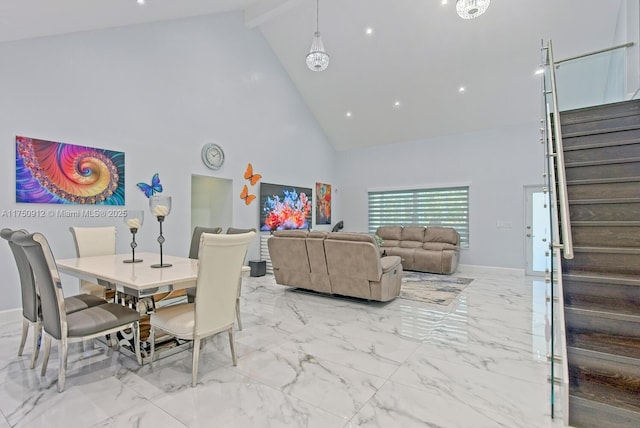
323 203
49 172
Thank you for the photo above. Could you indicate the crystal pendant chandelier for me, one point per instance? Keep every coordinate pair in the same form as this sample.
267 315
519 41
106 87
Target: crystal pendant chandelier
317 58
469 9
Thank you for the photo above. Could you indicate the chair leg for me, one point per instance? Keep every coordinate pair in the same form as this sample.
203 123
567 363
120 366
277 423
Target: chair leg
152 339
23 339
37 337
233 347
136 341
196 359
47 352
238 314
63 348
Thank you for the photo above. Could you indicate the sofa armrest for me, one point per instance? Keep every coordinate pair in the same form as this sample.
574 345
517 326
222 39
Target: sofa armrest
389 263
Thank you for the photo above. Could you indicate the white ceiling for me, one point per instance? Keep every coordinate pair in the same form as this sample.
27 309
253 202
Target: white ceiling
419 54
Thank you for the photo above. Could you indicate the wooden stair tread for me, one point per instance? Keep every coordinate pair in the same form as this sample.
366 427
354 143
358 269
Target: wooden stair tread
603 180
604 201
598 277
601 393
616 308
612 311
600 145
578 116
605 343
609 250
578 164
607 223
606 111
605 130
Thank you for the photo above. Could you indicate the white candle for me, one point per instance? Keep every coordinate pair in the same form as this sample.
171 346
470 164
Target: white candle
160 210
133 223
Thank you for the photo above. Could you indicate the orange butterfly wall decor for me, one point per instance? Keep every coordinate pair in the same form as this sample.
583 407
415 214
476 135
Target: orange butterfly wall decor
248 198
249 175
253 179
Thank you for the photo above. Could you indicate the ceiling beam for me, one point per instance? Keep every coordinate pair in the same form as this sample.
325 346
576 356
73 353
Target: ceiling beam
262 11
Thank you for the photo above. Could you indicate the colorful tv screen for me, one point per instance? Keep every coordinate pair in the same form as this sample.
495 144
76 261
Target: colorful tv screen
285 207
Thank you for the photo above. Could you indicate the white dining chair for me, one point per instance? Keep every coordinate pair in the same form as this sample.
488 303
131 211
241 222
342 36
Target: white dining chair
94 241
194 249
214 310
234 231
193 254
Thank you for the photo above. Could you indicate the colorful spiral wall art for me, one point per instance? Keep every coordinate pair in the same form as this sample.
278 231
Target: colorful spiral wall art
48 172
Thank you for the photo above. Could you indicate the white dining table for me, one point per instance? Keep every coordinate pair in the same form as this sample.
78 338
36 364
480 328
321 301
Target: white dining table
140 281
134 279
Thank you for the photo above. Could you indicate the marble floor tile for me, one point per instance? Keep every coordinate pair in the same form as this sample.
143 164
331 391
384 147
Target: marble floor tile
400 406
311 360
227 398
292 369
142 415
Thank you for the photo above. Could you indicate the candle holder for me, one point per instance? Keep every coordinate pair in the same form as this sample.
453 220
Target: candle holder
133 220
160 207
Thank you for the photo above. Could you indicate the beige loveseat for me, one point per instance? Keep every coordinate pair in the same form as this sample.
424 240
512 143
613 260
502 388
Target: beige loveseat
427 249
348 264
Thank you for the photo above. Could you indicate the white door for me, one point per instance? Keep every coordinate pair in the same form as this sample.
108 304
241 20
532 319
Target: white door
211 202
537 230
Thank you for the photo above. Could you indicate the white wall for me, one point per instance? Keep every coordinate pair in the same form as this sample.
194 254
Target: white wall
495 164
157 92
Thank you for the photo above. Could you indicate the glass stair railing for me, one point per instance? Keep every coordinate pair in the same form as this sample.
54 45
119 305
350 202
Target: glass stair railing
596 78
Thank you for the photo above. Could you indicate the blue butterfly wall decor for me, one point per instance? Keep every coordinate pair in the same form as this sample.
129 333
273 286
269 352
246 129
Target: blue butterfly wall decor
153 188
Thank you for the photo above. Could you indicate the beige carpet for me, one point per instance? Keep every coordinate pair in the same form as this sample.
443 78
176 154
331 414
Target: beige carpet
432 288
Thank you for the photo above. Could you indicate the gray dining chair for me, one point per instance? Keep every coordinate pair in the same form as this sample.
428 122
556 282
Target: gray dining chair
194 248
31 314
221 258
89 323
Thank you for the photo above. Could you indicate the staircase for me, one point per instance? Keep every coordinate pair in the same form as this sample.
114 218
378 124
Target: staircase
602 282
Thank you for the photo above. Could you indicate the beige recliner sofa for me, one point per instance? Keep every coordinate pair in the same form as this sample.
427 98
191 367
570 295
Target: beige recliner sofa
432 249
348 264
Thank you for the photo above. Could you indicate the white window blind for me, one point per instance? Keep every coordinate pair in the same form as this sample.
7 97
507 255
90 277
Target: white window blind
447 207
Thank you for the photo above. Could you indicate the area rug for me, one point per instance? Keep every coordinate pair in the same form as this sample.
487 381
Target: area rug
432 288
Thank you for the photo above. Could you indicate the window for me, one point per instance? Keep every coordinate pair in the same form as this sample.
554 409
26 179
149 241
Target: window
447 207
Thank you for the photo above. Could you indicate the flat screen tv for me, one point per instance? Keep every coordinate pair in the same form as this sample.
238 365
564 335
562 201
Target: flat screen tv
284 207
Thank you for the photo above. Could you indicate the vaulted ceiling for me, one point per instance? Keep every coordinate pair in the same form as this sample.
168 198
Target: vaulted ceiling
399 83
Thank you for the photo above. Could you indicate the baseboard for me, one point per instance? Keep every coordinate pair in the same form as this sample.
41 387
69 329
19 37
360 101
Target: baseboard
10 315
511 271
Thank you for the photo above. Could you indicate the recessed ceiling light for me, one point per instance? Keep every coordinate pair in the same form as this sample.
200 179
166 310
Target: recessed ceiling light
368 31
348 114
140 1
461 89
444 2
540 71
397 104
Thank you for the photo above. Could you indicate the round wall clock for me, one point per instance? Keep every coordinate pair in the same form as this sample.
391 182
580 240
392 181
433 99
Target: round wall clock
212 155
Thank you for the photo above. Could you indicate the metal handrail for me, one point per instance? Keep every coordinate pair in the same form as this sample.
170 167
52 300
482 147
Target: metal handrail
599 51
567 241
